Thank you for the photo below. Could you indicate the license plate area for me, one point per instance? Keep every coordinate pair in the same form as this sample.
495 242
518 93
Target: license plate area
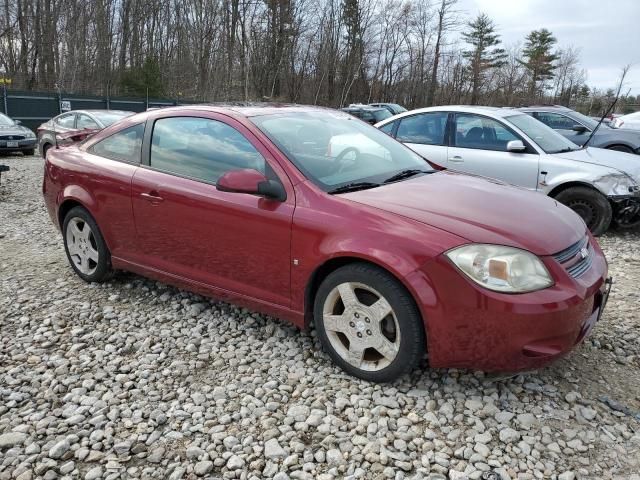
600 302
12 144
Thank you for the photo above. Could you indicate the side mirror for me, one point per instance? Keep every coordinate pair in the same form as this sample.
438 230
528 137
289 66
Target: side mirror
252 182
18 122
515 146
579 128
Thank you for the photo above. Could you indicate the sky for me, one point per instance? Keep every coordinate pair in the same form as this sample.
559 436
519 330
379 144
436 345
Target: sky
607 32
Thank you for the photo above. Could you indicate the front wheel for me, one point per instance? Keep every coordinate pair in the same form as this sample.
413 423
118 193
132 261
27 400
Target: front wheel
368 323
29 152
86 249
591 205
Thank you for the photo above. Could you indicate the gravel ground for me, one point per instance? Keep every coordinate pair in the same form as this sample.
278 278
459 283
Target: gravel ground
136 379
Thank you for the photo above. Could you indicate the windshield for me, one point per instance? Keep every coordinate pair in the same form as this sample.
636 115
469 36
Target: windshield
546 138
586 121
6 121
335 150
108 118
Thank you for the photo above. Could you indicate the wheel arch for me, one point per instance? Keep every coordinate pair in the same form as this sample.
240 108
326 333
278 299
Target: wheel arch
331 265
565 186
617 144
73 196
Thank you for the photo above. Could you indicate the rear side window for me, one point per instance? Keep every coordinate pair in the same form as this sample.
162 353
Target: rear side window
201 148
424 128
124 145
66 121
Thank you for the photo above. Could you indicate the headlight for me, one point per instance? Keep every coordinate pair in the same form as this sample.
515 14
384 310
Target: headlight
29 134
500 268
616 184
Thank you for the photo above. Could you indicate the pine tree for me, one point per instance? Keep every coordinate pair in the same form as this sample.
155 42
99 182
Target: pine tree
485 53
539 58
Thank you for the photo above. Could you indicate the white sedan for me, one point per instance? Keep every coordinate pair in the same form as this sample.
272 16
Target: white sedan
600 185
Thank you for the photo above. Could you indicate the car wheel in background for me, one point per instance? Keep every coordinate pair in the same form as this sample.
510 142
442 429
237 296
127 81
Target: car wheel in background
591 205
620 148
85 246
368 323
45 148
29 152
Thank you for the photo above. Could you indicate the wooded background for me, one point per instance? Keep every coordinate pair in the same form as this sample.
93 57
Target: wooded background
327 52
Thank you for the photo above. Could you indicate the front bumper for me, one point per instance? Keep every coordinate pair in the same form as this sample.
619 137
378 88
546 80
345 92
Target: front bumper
18 145
471 327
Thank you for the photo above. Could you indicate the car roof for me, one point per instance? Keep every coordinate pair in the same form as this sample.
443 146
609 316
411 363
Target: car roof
247 109
480 110
368 108
97 110
544 108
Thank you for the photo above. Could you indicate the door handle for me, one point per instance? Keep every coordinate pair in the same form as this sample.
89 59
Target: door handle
153 197
456 158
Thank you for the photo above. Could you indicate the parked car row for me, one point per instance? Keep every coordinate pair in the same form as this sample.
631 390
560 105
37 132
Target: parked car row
314 216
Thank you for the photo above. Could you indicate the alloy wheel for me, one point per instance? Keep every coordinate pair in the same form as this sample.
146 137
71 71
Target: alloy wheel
361 326
82 246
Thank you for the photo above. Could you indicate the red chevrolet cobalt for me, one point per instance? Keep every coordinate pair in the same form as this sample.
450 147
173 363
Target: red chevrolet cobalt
314 216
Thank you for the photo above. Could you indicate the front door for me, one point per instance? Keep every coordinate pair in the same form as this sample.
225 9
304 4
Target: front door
186 227
479 146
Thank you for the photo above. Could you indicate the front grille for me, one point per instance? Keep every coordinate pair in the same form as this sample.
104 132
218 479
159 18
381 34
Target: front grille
11 137
573 258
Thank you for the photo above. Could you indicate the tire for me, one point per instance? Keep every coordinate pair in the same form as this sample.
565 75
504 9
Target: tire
29 152
355 331
620 148
86 251
591 205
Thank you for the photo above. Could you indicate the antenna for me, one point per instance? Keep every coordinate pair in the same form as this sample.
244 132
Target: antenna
55 134
625 69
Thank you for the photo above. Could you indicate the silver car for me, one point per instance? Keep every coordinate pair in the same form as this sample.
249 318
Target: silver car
600 185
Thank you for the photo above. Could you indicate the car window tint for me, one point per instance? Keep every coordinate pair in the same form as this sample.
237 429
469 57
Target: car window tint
388 128
66 121
201 148
425 128
556 121
475 131
85 121
123 145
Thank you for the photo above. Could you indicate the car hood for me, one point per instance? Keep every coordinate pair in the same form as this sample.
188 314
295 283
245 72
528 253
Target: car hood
480 210
623 162
13 130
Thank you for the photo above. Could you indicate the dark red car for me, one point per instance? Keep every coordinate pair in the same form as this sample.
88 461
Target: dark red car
314 216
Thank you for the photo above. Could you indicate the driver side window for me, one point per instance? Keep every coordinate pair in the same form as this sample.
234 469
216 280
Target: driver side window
482 133
201 148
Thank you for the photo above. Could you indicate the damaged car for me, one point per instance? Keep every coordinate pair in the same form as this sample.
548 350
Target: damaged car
602 186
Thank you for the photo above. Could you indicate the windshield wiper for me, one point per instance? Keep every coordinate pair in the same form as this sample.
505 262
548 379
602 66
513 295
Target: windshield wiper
404 174
352 187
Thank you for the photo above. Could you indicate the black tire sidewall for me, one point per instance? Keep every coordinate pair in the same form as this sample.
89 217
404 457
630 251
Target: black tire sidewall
600 203
103 270
412 337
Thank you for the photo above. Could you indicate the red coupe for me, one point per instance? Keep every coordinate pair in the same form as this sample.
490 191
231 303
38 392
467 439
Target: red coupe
312 215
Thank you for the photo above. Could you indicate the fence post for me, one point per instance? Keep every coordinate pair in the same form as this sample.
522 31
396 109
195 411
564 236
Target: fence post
4 98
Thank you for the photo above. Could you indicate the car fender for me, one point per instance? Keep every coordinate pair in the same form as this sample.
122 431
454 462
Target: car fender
77 194
557 172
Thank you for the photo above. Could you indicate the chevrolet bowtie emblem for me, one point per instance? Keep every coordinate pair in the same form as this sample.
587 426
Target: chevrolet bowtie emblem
584 253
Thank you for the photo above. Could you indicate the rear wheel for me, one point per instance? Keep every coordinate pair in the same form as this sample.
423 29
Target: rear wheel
591 205
86 250
620 148
368 323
